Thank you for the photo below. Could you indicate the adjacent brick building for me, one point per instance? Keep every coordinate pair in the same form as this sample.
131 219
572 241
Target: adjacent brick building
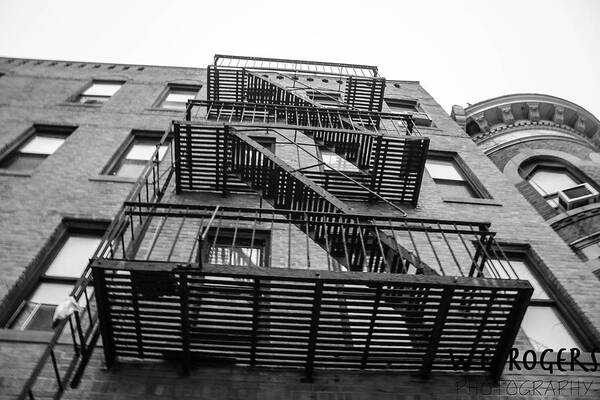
273 229
547 147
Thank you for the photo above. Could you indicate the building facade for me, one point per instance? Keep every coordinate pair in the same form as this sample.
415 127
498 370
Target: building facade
268 228
547 147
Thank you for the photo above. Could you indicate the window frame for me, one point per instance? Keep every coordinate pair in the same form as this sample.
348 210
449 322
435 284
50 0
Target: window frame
404 106
59 131
117 159
529 167
37 271
76 99
159 103
538 269
350 172
582 243
246 233
470 180
411 105
266 141
327 98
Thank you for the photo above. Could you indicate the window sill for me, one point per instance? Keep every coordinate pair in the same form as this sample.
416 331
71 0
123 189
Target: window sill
25 336
74 104
464 200
113 178
165 110
7 172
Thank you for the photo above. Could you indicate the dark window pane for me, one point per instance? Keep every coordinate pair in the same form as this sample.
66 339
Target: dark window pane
35 316
22 162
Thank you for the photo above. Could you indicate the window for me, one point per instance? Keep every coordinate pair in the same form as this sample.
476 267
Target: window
177 96
402 105
136 154
542 323
37 144
409 106
268 142
66 265
337 162
549 180
237 247
588 247
326 99
99 92
450 177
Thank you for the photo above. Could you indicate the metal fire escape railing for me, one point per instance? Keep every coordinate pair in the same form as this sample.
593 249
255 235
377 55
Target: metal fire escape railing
226 84
81 329
168 290
296 66
341 241
222 157
299 117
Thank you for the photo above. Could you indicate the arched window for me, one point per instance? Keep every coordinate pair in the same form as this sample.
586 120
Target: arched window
562 185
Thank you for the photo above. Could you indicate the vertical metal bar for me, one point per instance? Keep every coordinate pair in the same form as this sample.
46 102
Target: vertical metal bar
464 244
314 328
185 322
255 320
199 241
436 333
56 371
381 248
365 355
289 240
79 331
104 317
155 237
176 239
307 242
451 251
433 249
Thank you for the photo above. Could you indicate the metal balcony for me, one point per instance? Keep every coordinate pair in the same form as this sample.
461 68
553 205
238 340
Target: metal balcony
169 287
225 158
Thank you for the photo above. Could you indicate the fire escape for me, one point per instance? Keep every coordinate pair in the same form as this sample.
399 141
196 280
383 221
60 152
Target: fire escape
302 281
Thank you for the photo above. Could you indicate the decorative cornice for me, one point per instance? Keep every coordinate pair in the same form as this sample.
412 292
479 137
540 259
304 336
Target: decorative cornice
507 115
498 115
559 115
573 216
481 121
534 112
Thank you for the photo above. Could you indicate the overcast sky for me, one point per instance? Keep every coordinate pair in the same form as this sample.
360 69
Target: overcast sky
461 51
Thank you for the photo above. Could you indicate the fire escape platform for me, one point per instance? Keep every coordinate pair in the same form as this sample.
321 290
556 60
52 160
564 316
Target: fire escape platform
214 157
306 319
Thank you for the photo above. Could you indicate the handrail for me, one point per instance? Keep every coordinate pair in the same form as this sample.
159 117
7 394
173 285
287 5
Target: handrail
84 338
354 181
344 68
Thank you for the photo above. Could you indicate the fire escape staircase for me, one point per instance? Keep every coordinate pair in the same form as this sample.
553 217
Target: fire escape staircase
235 162
391 165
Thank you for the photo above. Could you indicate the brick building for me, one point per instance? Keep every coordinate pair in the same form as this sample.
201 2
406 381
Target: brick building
547 147
269 228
